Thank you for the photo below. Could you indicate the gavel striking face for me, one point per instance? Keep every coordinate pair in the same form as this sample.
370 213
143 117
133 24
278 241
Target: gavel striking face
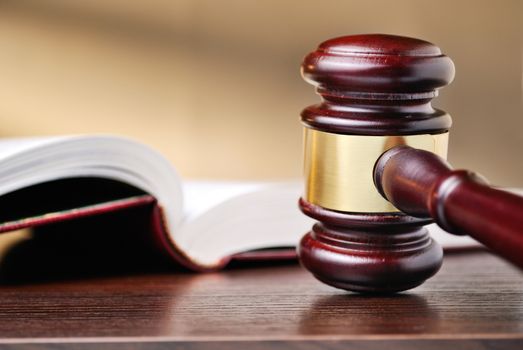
375 172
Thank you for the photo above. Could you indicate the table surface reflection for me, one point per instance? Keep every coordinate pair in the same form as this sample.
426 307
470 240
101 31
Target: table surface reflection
476 299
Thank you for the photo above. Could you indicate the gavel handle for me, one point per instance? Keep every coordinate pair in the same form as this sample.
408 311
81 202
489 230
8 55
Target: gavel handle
422 184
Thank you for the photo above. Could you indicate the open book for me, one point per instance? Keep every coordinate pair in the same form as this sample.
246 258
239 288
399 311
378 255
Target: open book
202 225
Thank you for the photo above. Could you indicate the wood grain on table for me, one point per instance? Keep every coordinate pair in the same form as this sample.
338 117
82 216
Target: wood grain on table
476 301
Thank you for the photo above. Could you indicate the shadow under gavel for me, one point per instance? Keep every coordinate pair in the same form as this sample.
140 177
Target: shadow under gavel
375 172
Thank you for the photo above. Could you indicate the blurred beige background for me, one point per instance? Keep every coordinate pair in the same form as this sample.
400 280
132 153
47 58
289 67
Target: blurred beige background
215 85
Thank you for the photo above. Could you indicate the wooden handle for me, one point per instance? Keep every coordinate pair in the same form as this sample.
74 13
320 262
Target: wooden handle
422 184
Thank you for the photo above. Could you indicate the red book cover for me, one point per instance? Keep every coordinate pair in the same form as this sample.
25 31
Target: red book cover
104 207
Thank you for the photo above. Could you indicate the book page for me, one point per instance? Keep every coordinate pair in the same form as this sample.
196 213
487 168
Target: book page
13 146
29 161
201 196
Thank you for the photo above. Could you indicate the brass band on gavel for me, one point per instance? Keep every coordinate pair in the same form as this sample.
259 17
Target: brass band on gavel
338 168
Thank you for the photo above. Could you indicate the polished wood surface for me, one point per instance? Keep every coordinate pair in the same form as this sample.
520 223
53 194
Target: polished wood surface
373 85
422 184
377 84
476 302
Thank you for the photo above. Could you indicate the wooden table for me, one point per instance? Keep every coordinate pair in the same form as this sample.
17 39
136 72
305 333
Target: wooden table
475 302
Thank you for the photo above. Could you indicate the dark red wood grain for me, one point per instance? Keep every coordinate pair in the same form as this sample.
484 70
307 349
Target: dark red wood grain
422 184
377 85
473 303
373 85
370 260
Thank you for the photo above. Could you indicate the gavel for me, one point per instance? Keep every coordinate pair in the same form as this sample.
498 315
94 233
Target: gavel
375 168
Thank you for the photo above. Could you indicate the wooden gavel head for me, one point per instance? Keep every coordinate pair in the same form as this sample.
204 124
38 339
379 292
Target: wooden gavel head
375 169
376 93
